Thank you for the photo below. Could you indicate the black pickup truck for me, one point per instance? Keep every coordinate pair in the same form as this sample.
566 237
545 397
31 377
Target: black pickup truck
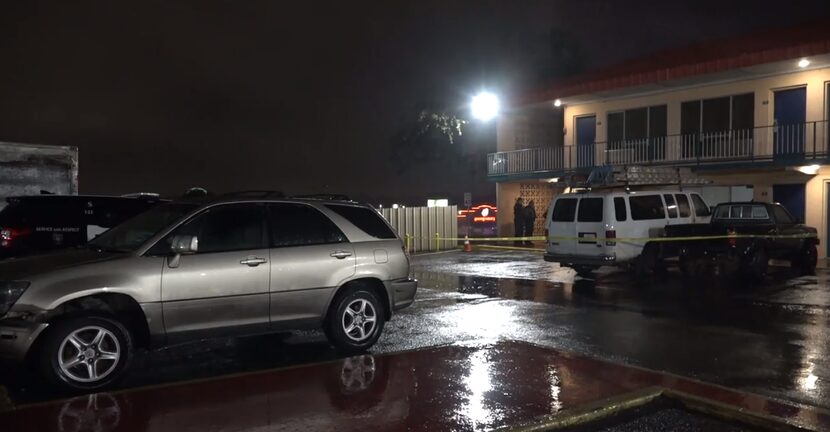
748 234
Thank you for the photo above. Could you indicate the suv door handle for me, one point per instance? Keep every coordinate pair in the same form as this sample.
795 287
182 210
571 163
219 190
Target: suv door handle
341 254
253 261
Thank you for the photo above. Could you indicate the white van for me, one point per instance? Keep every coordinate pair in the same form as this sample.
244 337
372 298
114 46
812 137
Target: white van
587 230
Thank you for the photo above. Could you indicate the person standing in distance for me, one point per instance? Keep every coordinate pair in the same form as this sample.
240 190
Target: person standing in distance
518 220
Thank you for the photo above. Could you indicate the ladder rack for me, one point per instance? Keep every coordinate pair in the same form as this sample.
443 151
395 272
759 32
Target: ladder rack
635 175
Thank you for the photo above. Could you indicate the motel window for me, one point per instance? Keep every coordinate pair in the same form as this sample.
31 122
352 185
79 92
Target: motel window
718 114
743 111
715 115
636 125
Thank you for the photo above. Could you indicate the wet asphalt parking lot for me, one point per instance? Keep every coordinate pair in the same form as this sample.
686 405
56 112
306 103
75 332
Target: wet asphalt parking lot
769 338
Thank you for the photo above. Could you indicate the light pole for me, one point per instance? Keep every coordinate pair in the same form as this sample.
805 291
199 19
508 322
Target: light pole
484 107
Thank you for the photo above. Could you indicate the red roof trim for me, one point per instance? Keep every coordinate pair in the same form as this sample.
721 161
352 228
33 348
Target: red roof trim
708 58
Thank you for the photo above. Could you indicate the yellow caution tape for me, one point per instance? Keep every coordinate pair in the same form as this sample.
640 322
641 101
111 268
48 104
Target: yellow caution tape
620 239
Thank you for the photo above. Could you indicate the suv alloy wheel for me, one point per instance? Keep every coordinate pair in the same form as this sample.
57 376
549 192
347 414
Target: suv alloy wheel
86 353
355 320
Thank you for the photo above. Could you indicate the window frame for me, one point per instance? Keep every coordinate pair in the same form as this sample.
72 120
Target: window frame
626 142
672 213
575 208
151 251
601 209
622 200
792 220
677 198
332 207
697 212
659 198
270 240
698 128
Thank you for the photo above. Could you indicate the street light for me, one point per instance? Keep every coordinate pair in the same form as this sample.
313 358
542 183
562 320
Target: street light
485 106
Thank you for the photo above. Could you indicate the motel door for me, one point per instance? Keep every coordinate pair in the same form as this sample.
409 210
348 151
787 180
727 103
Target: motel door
792 197
790 113
586 133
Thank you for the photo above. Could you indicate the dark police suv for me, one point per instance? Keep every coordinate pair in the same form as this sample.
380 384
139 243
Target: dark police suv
41 223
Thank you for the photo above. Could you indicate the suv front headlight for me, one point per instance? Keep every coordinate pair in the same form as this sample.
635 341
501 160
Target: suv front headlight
9 293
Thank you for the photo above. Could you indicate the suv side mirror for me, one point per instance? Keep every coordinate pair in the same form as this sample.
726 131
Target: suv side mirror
184 244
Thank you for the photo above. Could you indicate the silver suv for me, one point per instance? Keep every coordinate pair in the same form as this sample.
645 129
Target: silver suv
186 270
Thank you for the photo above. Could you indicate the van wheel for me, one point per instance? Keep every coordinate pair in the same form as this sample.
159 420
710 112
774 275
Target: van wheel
89 353
756 263
806 262
355 320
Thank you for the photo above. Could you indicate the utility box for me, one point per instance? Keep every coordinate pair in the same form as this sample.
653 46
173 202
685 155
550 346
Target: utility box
29 169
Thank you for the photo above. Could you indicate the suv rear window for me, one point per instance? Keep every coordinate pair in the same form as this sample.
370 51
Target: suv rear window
366 219
590 210
742 212
781 215
564 210
646 207
301 225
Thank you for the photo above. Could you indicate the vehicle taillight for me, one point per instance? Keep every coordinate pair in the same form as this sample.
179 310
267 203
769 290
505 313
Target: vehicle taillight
733 237
8 235
610 234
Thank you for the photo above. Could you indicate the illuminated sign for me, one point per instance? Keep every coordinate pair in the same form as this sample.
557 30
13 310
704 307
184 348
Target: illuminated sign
483 213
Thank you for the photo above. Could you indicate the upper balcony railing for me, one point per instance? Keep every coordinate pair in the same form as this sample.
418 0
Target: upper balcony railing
791 144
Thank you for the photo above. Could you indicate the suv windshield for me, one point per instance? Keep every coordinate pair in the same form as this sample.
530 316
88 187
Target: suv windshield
131 234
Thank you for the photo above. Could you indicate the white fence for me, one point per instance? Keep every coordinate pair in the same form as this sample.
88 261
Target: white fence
425 228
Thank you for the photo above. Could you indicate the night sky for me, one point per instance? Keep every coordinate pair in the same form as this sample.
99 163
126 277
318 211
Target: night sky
306 97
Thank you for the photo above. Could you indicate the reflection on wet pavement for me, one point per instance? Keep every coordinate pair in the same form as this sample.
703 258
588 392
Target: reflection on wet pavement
770 337
457 387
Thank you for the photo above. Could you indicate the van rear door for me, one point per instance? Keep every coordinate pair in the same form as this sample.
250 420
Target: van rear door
590 229
562 226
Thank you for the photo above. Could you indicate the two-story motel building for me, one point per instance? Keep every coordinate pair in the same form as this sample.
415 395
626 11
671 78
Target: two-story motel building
749 114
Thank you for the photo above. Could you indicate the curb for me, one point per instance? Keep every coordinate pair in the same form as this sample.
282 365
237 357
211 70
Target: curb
608 408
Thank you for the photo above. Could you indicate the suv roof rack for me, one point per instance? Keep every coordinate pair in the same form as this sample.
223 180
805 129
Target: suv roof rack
627 176
141 195
333 197
256 194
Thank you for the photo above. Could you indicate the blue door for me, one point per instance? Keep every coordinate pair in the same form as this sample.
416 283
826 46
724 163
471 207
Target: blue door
790 113
586 134
792 197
